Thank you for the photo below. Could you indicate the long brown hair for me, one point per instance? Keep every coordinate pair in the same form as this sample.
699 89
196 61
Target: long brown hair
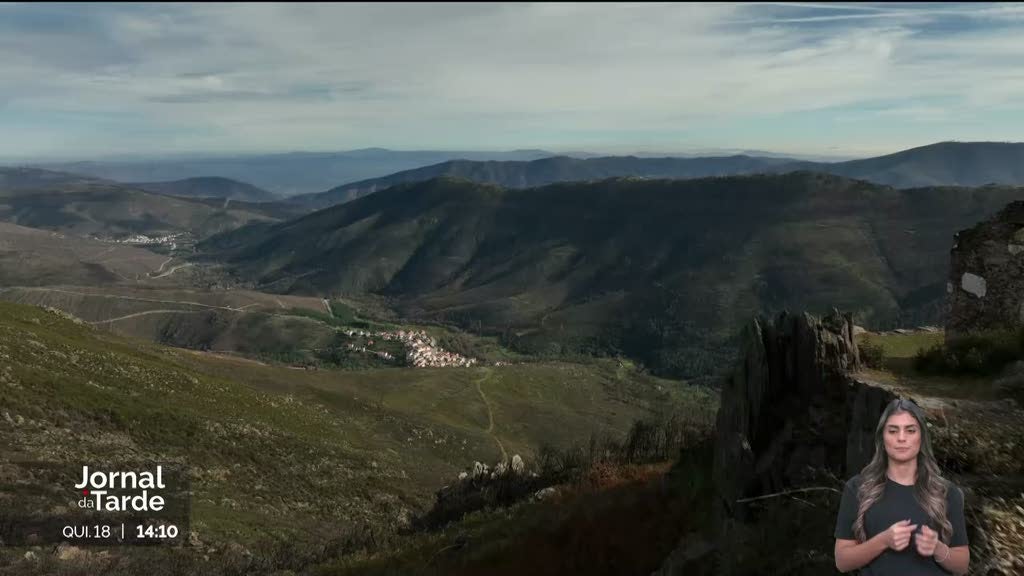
930 488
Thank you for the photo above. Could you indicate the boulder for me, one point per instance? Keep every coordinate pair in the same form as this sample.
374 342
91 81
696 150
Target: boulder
479 469
499 469
65 551
545 493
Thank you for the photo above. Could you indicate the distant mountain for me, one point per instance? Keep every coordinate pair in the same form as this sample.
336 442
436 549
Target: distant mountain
209 187
514 174
83 206
656 268
24 178
942 164
283 174
705 152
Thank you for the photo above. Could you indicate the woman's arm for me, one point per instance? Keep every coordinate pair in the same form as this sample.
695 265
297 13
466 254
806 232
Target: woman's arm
958 560
850 555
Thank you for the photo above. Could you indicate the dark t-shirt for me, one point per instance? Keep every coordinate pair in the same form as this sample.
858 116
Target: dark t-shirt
898 503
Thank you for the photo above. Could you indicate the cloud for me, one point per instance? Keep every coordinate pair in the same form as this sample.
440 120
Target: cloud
332 76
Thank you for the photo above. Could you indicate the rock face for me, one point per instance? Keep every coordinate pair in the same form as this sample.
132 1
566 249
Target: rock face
790 412
986 282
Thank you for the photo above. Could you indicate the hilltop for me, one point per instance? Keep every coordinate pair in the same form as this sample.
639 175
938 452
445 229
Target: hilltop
83 206
25 178
940 164
209 187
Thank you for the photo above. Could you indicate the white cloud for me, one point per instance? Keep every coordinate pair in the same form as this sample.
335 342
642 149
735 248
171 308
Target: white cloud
486 75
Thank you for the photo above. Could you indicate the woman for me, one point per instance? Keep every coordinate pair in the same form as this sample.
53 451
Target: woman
899 516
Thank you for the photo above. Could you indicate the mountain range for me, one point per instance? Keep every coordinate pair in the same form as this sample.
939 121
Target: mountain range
588 265
318 180
941 164
656 268
283 174
526 174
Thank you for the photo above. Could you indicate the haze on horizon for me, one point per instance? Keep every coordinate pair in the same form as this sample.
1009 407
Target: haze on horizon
93 80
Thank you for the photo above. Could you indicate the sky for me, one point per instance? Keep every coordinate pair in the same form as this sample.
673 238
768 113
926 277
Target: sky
87 81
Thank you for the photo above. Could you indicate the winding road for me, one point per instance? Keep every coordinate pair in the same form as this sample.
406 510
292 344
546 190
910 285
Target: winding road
122 297
174 269
144 313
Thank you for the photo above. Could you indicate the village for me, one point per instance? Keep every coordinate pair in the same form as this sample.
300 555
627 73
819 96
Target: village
169 240
421 350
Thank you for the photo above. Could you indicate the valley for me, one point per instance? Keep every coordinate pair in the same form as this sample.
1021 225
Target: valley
335 372
511 289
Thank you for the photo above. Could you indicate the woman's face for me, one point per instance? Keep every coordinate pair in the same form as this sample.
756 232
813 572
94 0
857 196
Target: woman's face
902 437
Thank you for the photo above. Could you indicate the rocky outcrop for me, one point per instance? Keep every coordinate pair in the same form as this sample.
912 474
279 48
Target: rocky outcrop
483 487
986 282
790 414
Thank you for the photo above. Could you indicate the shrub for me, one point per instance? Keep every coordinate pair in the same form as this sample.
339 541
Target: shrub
648 441
342 312
931 360
1011 382
461 344
871 354
982 354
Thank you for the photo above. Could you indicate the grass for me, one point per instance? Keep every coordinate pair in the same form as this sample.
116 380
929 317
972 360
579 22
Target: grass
282 453
897 346
899 351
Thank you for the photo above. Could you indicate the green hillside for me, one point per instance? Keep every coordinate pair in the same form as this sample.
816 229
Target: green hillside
90 207
560 269
275 451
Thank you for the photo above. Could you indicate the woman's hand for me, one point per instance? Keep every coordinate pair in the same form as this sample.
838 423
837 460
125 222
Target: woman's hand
926 541
898 535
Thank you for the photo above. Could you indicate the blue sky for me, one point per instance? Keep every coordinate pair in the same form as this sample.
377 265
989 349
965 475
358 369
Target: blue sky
90 80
